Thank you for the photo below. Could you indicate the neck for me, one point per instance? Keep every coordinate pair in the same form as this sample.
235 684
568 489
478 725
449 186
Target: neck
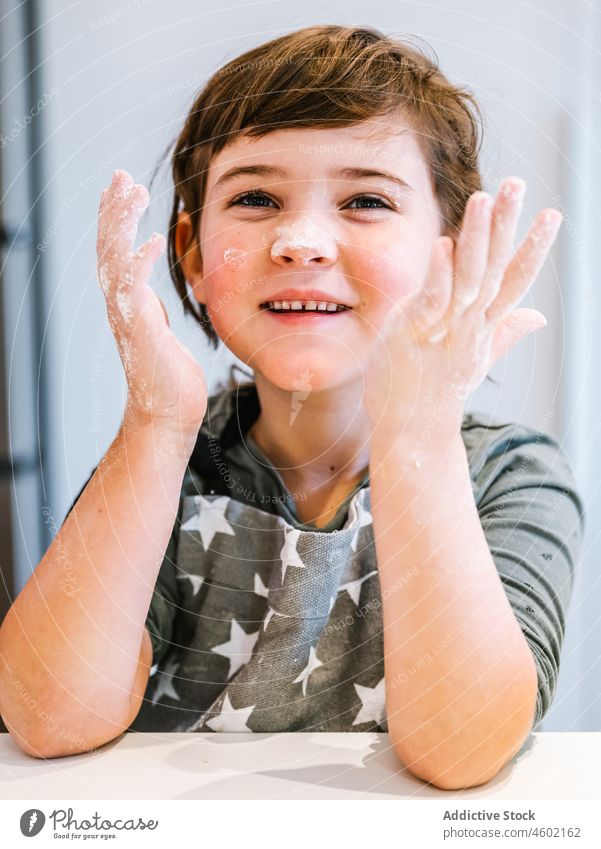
324 436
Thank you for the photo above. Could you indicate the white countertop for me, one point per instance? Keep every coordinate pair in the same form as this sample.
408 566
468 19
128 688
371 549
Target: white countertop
314 765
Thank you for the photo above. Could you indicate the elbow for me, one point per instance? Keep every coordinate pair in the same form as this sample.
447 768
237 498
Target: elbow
44 733
461 771
45 748
46 723
52 733
455 755
41 745
459 762
35 748
451 777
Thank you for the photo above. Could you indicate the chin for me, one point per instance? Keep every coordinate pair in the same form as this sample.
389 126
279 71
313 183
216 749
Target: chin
300 362
304 373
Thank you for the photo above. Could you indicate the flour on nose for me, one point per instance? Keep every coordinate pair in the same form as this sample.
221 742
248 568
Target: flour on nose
234 257
302 236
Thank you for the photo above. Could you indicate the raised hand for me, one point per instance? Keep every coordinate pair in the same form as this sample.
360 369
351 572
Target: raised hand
165 382
438 344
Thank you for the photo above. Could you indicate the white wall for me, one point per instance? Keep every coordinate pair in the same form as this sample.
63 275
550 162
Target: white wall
126 73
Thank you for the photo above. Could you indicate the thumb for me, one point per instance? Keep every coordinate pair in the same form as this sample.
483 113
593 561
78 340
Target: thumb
511 329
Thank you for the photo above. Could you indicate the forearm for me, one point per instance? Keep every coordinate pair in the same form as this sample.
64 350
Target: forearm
460 677
72 648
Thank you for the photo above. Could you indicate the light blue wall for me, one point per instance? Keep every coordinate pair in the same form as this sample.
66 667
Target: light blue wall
126 73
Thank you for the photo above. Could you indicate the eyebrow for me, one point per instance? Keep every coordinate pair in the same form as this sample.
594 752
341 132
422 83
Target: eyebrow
348 173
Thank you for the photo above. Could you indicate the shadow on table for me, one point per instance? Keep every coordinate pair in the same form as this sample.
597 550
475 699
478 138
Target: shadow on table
366 766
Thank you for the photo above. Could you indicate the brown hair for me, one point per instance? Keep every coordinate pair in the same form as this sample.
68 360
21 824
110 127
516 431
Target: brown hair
325 76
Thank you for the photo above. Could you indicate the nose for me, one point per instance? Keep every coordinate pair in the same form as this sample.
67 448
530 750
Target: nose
303 242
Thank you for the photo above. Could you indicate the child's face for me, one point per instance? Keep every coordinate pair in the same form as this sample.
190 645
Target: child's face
364 241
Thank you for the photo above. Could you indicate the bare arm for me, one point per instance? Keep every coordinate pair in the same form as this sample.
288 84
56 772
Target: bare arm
461 681
75 658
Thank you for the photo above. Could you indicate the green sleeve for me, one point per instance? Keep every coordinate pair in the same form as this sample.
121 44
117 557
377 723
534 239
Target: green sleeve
533 520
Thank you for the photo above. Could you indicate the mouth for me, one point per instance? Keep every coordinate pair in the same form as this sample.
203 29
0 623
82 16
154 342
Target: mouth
304 309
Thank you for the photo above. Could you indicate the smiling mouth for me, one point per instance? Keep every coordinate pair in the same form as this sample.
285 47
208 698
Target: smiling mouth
300 307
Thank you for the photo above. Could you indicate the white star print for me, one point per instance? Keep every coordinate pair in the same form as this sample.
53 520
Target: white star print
239 647
373 704
365 518
270 613
289 554
209 520
353 588
313 664
260 588
230 718
196 581
164 686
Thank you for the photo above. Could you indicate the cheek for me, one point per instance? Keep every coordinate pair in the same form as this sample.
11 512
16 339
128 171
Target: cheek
392 273
235 258
226 264
221 287
230 255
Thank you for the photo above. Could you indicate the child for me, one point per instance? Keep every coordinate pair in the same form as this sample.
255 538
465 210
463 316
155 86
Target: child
348 550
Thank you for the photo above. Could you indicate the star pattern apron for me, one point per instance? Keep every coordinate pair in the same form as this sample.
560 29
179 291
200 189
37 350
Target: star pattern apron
261 623
280 629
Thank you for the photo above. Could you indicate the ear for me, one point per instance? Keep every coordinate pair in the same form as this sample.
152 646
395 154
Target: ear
190 260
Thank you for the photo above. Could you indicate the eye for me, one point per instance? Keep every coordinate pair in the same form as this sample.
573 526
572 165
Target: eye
250 199
251 196
371 199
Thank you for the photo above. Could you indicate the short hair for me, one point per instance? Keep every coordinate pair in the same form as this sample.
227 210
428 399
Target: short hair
324 77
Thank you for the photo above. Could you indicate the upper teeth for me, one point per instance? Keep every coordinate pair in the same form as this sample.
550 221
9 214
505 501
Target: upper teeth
307 305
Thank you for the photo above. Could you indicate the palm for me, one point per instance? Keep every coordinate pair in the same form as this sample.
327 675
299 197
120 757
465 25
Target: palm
442 340
164 380
172 382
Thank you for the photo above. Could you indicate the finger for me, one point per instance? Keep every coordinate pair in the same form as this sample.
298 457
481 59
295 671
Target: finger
146 256
505 216
105 205
525 265
125 204
432 303
471 254
511 329
126 298
128 207
106 209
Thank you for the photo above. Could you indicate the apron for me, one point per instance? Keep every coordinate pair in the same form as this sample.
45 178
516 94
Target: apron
280 629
